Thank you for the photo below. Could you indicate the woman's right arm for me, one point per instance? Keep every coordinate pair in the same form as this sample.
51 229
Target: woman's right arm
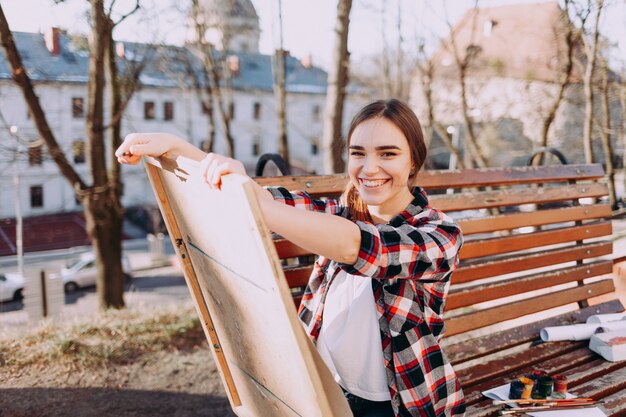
136 145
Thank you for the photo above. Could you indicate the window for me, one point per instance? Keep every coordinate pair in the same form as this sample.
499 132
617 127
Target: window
78 151
148 110
231 111
78 107
34 155
168 110
36 196
315 114
314 146
256 111
256 146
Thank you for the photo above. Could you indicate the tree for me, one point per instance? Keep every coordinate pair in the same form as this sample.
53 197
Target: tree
463 60
217 71
101 199
335 94
280 68
591 48
564 72
426 72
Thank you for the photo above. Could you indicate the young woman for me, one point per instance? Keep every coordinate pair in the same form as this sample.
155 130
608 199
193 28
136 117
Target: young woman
373 305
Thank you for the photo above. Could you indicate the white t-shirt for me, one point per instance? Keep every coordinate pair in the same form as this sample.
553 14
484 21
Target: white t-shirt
349 340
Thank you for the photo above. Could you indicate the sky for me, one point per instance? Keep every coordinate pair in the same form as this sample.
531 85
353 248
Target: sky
308 25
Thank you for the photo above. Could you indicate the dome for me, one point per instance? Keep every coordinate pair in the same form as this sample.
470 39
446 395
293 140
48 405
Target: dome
232 24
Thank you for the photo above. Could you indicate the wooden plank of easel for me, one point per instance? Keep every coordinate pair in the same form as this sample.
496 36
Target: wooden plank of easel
274 367
192 282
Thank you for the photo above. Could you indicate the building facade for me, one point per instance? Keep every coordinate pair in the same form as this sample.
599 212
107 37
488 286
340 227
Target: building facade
165 102
517 55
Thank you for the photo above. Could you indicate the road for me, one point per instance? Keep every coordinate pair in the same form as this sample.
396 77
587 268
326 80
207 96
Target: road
166 281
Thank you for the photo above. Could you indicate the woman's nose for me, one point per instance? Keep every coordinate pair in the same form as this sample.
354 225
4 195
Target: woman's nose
370 165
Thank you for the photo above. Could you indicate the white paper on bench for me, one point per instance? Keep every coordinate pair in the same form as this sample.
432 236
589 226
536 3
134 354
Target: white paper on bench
578 331
605 318
502 393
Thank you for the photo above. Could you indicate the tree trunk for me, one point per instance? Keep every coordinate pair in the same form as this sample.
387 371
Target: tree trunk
462 66
281 98
336 91
113 292
622 98
588 85
563 82
101 213
400 90
605 134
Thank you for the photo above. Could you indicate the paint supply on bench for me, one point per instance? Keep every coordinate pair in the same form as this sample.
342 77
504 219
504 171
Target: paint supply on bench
560 387
543 387
521 388
549 407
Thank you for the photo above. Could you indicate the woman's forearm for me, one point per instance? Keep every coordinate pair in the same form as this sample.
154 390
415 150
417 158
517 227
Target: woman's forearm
183 148
333 237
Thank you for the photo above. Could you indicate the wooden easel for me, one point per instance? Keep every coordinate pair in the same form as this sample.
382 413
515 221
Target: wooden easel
267 363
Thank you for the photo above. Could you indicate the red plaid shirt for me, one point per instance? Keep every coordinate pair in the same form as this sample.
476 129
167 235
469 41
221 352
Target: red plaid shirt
410 260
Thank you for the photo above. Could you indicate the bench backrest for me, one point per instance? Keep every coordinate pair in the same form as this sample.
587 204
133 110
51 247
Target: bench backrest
534 240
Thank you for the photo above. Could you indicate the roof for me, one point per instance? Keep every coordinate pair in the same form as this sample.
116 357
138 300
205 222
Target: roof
520 41
166 68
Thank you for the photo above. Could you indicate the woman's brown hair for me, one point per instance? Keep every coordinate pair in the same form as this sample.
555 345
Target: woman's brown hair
401 115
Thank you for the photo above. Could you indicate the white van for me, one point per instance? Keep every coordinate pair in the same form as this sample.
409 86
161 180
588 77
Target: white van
81 272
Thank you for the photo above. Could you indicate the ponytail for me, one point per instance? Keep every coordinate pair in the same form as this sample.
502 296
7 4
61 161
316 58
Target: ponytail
356 206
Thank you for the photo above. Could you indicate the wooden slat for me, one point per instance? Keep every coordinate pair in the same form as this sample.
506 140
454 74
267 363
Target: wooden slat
601 381
515 196
472 271
286 249
316 185
480 177
506 339
299 276
482 293
615 404
513 310
534 218
494 246
510 364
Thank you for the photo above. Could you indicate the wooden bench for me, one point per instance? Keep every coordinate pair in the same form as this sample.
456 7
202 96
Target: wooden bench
537 253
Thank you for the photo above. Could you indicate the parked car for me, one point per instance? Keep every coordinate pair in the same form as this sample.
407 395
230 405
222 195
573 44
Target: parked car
82 272
11 287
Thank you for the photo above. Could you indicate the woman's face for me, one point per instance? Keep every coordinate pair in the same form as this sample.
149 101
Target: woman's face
379 164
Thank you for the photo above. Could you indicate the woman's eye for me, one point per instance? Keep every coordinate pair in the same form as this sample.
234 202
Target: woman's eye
389 154
356 153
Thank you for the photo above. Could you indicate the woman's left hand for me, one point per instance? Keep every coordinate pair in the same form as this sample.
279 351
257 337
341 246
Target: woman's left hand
215 166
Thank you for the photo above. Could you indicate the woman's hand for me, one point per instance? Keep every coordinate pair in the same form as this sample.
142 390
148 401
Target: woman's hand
214 167
136 145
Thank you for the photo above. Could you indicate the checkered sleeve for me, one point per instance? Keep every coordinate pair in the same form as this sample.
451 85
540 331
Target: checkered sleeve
303 201
424 247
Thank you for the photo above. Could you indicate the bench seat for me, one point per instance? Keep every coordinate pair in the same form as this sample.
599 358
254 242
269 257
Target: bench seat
537 253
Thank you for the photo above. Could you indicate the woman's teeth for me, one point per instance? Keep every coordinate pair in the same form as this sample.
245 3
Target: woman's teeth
372 184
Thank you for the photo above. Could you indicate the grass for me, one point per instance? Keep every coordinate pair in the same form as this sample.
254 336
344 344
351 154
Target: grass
113 337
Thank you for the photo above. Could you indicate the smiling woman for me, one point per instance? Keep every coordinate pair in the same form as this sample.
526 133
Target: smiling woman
373 304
